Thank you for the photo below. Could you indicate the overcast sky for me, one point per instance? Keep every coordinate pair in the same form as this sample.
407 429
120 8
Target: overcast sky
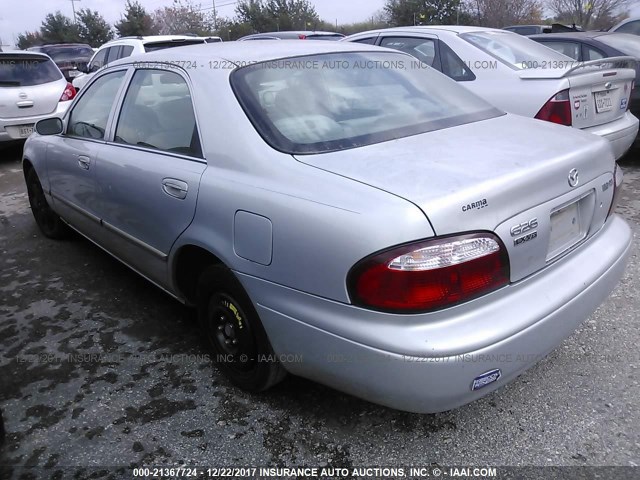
18 16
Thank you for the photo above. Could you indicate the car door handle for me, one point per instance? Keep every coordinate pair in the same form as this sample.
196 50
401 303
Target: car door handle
175 188
84 162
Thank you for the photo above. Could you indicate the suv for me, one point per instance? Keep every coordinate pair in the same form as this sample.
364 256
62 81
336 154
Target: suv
126 46
71 58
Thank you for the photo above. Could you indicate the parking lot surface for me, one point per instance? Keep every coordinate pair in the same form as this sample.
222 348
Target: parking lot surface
100 368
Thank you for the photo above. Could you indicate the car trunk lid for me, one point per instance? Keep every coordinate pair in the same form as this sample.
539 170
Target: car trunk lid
599 90
518 188
30 85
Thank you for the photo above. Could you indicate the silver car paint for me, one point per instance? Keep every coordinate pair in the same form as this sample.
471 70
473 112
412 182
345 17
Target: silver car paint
329 211
25 105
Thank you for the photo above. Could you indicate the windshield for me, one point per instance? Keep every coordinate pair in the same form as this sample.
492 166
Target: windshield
26 71
625 42
337 101
516 51
152 47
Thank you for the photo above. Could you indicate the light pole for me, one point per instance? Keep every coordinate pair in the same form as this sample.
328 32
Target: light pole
215 16
73 6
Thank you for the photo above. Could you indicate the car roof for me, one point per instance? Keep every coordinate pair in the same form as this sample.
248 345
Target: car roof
440 28
24 52
243 52
155 38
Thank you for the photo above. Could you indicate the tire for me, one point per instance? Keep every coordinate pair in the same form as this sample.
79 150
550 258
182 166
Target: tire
50 224
234 332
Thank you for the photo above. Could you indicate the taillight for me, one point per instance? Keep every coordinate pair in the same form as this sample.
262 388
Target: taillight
302 37
68 94
557 109
430 275
617 189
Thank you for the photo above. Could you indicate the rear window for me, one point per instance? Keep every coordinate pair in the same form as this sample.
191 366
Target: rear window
337 101
154 46
26 71
627 43
516 51
337 36
67 54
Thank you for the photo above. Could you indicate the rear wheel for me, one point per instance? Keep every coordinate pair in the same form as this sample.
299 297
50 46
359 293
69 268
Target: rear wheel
234 332
48 221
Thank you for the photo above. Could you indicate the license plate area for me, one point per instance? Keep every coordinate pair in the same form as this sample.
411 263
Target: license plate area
25 130
604 101
569 225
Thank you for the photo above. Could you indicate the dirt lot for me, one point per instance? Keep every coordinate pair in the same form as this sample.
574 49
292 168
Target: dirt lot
100 368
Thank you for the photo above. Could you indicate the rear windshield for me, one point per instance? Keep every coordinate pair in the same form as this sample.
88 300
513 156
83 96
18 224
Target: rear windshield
331 102
152 47
626 43
325 37
516 51
25 71
67 54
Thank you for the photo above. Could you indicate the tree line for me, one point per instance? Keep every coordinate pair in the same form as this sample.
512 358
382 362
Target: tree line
251 16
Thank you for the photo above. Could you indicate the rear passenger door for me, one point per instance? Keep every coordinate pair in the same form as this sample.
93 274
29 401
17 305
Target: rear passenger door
149 173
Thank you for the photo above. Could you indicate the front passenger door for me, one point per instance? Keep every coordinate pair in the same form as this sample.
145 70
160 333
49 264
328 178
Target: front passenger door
72 157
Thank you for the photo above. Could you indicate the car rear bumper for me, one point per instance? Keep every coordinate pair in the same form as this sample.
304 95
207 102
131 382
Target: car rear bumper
10 127
621 133
427 363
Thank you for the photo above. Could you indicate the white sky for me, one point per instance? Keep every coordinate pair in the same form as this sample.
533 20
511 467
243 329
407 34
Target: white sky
18 16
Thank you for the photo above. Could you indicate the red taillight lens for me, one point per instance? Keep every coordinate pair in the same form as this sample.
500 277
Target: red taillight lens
430 275
557 109
68 94
302 37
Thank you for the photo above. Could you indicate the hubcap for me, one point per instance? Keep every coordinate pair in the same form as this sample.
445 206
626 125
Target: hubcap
230 333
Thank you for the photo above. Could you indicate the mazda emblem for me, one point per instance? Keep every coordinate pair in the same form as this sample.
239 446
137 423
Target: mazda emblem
574 178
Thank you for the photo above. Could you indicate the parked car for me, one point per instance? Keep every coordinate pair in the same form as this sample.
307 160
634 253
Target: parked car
127 46
31 88
71 58
528 30
297 35
520 76
588 46
336 221
630 25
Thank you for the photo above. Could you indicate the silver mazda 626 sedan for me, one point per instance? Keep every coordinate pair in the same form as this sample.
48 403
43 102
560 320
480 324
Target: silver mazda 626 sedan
339 212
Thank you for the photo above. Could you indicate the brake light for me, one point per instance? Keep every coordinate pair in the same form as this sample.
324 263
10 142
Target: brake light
430 275
557 109
302 37
68 94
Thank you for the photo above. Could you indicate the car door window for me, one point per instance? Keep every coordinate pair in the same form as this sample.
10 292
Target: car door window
126 51
99 60
114 54
89 116
570 49
591 53
631 27
453 66
368 40
158 113
424 49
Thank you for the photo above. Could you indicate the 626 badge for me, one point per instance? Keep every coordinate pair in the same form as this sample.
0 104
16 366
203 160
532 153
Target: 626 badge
526 228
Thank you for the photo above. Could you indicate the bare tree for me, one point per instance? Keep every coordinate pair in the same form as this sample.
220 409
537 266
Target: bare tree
501 13
587 13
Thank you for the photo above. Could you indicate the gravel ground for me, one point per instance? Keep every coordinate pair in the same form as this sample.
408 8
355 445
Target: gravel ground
149 400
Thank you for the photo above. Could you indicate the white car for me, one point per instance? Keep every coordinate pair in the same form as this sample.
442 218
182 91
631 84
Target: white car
32 87
630 25
127 46
520 76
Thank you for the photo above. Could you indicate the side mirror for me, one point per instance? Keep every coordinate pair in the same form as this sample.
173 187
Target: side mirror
93 68
49 126
83 67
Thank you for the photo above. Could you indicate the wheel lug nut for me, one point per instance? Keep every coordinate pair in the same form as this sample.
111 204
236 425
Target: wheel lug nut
227 341
235 342
220 328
